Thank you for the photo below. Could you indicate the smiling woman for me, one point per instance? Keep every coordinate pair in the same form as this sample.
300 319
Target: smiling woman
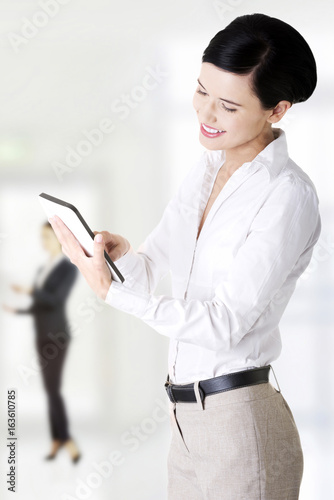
244 128
236 237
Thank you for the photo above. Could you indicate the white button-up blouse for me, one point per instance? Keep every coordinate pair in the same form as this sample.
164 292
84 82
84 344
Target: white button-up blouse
230 286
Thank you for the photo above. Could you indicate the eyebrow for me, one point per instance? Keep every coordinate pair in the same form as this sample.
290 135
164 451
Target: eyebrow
220 98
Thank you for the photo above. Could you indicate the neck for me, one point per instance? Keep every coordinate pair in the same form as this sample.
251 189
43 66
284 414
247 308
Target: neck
236 157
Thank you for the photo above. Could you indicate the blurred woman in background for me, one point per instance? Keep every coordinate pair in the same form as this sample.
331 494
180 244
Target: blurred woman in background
49 293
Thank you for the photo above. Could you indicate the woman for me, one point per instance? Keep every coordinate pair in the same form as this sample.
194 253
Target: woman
236 237
49 293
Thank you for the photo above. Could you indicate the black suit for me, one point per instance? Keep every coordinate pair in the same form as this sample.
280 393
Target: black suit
52 338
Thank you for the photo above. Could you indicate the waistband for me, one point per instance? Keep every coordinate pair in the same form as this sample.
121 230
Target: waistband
187 393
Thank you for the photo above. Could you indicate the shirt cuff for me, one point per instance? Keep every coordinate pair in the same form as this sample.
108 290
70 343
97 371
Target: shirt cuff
127 300
127 262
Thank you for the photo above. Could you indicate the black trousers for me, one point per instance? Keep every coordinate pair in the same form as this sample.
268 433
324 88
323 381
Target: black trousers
52 356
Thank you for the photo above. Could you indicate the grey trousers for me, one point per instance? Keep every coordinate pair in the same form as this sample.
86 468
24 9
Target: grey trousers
240 445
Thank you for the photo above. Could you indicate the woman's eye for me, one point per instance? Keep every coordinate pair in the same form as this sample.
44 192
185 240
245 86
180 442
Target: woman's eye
231 110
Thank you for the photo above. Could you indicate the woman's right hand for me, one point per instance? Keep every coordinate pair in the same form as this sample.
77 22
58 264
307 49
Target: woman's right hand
21 289
115 245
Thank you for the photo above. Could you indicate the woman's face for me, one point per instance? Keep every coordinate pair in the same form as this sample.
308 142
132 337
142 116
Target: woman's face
230 115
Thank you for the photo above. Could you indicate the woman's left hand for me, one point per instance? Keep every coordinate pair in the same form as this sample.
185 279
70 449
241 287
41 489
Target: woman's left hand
8 308
94 269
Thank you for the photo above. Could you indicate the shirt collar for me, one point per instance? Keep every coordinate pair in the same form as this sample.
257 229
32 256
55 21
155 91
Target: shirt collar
273 157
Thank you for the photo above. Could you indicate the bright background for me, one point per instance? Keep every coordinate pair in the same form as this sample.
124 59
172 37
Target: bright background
61 81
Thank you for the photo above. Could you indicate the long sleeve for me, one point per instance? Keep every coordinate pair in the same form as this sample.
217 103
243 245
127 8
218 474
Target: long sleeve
29 310
50 297
264 271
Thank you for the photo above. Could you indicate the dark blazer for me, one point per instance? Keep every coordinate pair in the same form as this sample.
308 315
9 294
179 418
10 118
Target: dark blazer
49 300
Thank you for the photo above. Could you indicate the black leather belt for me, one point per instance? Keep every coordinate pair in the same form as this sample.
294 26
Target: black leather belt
186 393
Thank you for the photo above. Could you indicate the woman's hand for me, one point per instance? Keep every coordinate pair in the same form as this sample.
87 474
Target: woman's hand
8 308
115 245
21 289
94 269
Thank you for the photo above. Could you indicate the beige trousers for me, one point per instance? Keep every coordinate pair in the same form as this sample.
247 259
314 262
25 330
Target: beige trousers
241 445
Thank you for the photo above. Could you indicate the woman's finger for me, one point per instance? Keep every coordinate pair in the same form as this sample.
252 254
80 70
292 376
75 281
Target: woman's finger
70 245
98 257
106 235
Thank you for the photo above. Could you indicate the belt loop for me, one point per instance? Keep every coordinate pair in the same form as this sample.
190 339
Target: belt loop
169 390
199 396
279 389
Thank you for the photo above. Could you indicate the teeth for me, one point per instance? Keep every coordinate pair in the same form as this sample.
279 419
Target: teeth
211 130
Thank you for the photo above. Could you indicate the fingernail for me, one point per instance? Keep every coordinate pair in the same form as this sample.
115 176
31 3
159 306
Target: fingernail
51 219
98 238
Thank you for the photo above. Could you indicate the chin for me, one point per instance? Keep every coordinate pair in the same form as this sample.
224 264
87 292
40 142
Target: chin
210 144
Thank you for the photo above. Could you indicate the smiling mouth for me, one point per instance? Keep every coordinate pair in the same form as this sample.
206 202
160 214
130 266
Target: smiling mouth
211 132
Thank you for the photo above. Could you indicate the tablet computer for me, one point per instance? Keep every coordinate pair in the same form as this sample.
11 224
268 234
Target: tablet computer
71 216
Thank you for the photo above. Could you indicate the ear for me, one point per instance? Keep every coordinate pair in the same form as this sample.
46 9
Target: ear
279 111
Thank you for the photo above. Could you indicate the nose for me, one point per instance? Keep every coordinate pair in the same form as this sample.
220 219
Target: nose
207 112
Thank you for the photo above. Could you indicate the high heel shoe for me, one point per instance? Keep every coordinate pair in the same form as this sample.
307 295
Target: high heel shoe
73 450
76 459
54 453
